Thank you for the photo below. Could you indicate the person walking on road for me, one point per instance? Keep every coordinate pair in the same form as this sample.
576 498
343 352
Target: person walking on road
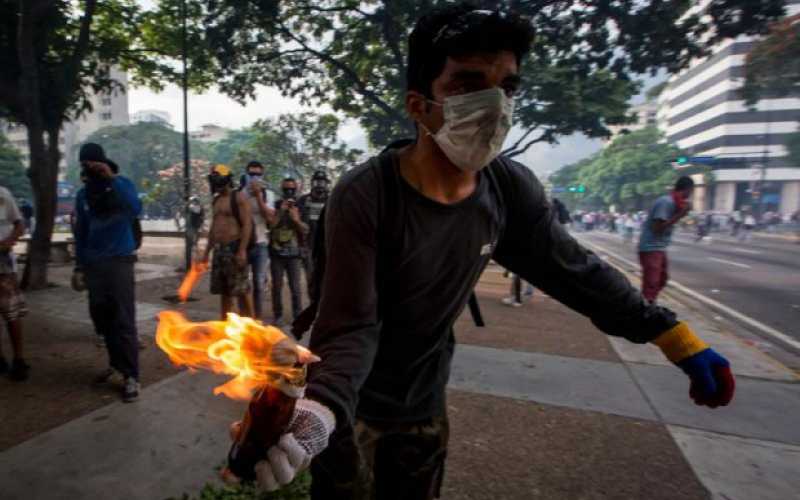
656 236
407 236
229 236
749 226
12 302
106 209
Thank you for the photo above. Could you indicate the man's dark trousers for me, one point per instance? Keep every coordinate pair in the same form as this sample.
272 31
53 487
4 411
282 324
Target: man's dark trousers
291 267
112 306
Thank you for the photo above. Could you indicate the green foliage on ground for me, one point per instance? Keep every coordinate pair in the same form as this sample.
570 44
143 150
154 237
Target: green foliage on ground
299 489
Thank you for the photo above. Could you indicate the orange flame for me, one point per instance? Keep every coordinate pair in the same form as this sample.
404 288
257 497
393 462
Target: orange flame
256 355
187 285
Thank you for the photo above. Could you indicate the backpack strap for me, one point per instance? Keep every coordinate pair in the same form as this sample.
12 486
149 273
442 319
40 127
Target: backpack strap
389 231
235 207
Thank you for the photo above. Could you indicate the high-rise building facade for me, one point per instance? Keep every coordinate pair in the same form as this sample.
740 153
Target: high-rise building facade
108 109
704 114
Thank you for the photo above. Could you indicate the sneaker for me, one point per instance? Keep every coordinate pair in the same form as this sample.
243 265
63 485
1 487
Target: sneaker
109 376
19 370
511 301
131 391
3 365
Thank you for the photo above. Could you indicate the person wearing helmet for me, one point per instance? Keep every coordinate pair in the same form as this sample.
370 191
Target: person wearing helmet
311 205
229 237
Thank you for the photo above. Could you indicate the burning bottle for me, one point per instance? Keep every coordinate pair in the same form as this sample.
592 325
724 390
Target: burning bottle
269 370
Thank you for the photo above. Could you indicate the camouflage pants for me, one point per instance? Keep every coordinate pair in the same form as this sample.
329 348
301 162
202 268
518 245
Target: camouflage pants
379 461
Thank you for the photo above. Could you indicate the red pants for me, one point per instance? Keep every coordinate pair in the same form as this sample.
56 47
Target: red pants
654 273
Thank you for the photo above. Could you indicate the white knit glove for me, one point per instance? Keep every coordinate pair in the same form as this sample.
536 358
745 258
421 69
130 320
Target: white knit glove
308 433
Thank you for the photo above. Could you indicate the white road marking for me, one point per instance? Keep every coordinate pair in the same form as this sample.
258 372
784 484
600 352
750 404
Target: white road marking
766 330
730 262
745 250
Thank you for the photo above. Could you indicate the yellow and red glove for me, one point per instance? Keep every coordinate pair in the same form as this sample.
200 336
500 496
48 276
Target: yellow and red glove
712 382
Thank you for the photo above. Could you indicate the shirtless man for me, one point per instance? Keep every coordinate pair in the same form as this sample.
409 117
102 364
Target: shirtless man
228 237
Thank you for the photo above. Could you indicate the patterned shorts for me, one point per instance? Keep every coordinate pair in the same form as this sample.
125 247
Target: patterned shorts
227 277
12 302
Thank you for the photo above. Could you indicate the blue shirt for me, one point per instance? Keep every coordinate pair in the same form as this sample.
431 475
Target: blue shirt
650 241
110 235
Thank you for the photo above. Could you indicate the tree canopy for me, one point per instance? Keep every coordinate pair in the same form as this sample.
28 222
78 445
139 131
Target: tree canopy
297 145
627 173
141 150
350 54
773 65
12 171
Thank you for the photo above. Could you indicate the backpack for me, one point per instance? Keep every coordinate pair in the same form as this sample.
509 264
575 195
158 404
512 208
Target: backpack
138 235
236 215
390 229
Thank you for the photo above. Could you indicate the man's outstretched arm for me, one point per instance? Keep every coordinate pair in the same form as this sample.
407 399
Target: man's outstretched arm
539 249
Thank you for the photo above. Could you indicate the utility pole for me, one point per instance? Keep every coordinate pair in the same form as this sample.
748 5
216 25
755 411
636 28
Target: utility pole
186 171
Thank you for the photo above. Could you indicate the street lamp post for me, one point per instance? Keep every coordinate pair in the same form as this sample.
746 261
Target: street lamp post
186 171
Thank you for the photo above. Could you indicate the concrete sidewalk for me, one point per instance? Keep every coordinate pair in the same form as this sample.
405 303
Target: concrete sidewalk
541 406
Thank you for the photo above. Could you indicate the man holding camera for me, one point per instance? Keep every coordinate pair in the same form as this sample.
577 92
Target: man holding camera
106 209
287 232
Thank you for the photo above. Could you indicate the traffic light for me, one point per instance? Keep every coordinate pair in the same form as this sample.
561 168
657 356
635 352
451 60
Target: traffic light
580 188
682 160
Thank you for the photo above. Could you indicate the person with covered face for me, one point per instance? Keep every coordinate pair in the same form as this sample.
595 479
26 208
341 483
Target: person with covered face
310 206
254 190
228 237
286 234
373 421
106 208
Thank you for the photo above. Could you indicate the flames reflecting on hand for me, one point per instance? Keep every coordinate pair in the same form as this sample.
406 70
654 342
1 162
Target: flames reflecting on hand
254 354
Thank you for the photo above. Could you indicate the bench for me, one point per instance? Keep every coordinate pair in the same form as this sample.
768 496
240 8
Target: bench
61 251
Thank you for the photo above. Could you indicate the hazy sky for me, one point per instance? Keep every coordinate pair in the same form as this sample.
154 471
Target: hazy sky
216 108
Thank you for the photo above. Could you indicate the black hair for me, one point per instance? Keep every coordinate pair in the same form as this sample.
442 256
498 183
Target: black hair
460 29
289 179
254 163
684 182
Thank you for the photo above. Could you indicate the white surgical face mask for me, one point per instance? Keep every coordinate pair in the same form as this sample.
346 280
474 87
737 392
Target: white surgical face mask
475 126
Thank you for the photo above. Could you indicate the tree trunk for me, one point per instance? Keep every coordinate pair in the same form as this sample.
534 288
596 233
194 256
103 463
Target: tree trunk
43 172
44 181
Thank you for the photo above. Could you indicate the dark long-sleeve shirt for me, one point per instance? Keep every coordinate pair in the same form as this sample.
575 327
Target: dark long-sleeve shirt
386 343
106 235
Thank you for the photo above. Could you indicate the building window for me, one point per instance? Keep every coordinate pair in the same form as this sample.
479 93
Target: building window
105 116
106 101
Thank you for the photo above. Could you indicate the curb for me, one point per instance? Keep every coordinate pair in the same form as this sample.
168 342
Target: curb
759 327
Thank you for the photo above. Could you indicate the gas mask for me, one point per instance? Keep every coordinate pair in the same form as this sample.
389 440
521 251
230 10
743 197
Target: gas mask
219 182
319 189
475 126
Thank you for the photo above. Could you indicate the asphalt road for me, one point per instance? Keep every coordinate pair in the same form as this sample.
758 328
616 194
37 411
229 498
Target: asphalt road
759 278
